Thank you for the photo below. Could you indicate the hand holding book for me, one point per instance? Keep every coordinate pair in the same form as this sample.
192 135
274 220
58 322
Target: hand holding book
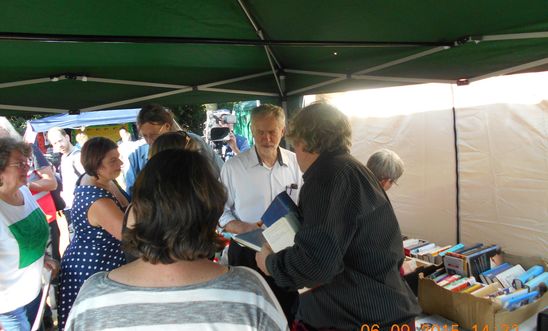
260 258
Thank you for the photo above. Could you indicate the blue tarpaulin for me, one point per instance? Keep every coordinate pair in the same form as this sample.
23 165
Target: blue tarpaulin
66 121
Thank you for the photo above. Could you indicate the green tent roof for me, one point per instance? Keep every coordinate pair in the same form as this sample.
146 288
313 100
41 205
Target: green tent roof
89 55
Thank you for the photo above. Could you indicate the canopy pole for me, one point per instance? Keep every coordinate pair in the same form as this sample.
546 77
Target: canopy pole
31 81
34 109
222 90
510 36
511 70
402 60
132 82
128 101
269 54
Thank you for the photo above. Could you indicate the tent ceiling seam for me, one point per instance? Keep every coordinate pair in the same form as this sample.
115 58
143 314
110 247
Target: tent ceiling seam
269 54
44 37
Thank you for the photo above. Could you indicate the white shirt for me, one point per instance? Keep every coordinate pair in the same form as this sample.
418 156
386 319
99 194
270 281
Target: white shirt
71 165
23 236
251 186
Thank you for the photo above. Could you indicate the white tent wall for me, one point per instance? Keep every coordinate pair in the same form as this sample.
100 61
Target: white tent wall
424 198
502 144
503 164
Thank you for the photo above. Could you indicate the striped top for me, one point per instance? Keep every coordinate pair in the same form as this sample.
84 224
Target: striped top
348 250
237 300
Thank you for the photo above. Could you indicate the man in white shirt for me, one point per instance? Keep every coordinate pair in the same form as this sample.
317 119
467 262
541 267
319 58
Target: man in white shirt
253 179
71 166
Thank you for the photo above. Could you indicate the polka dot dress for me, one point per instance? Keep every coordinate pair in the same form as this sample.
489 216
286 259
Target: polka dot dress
91 250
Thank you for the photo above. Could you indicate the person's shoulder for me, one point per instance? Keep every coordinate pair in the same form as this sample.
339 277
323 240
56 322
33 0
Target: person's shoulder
248 279
239 160
95 284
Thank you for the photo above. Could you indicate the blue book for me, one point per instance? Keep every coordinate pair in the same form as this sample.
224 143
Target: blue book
281 206
537 281
452 249
533 272
253 239
489 275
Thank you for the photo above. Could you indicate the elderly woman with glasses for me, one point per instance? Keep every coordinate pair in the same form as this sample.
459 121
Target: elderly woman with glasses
23 236
98 212
177 203
387 166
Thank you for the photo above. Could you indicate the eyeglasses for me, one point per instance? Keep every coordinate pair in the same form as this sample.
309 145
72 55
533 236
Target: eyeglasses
20 165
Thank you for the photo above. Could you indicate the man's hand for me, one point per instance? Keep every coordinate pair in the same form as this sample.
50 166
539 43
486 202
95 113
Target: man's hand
232 143
236 226
260 258
52 265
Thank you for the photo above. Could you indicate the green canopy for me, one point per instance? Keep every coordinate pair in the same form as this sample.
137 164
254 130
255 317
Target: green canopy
59 56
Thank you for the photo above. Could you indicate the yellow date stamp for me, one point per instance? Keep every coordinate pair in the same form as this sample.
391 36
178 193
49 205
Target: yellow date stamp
440 327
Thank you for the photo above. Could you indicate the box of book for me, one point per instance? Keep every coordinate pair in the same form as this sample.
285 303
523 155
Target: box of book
474 312
411 269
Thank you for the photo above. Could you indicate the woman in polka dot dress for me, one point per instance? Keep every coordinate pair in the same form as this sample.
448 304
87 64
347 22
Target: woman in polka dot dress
97 214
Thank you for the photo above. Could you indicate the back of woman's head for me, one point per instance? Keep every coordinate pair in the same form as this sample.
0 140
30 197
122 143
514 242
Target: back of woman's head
173 140
176 206
93 153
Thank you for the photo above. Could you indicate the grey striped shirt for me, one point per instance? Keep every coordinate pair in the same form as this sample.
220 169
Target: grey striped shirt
237 300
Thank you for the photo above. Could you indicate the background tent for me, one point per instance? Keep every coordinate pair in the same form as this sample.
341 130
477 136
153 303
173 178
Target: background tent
80 55
75 121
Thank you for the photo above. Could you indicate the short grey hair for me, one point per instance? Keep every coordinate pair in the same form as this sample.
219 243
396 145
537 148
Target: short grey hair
268 109
7 146
322 128
385 164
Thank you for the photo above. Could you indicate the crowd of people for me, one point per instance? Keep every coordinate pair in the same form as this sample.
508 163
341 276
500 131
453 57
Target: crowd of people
142 253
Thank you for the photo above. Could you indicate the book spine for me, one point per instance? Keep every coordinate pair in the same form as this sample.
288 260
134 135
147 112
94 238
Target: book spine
533 272
452 249
535 282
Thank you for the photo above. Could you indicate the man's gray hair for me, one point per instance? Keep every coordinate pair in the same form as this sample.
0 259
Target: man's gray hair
385 164
322 128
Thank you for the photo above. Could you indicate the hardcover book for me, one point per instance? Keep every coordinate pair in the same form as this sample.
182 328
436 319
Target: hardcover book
282 221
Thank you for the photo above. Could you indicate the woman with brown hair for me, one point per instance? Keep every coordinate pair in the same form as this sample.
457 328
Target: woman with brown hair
177 203
98 210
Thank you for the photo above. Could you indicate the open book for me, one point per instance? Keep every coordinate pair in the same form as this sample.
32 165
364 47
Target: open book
281 220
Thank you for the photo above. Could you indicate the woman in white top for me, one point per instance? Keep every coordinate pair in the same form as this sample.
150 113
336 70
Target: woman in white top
23 237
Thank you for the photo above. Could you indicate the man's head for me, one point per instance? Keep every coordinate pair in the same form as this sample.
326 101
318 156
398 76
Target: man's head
124 134
267 126
153 120
7 130
387 166
60 140
317 129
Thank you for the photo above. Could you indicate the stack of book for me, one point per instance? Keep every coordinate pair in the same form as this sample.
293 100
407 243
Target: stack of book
508 286
471 261
428 251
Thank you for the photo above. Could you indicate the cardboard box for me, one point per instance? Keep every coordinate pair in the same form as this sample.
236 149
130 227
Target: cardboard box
470 312
412 278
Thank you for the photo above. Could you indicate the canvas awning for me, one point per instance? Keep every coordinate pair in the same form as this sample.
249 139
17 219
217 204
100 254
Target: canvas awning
58 56
74 121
